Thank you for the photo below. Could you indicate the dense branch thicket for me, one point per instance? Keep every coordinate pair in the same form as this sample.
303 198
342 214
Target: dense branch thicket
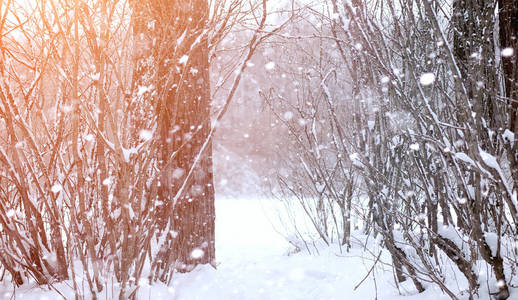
418 99
105 129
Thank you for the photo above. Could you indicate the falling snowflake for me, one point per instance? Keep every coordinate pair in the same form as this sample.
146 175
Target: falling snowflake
178 173
10 213
506 52
56 188
183 60
270 66
95 76
197 253
89 137
146 135
427 79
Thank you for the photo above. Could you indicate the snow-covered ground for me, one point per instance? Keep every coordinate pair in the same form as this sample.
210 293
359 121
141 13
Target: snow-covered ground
256 262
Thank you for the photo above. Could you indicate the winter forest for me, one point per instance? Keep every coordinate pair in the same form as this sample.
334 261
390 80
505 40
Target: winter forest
258 149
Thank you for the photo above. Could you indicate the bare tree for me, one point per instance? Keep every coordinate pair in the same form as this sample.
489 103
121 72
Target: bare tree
107 124
177 55
429 136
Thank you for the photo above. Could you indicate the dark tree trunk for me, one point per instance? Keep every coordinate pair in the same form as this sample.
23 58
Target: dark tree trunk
508 21
193 215
508 35
473 24
171 34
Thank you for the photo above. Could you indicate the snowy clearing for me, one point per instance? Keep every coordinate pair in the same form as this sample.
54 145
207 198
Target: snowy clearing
256 262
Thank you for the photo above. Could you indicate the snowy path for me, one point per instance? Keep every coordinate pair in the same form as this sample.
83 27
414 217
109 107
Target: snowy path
253 264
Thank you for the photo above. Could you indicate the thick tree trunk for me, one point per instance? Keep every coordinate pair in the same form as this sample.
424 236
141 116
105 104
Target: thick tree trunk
171 32
508 35
189 105
508 21
473 25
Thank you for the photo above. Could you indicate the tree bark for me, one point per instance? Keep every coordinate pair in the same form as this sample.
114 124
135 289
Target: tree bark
473 24
172 35
508 35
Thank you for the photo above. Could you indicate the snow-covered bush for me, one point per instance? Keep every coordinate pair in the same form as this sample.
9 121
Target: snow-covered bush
105 138
315 176
427 117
